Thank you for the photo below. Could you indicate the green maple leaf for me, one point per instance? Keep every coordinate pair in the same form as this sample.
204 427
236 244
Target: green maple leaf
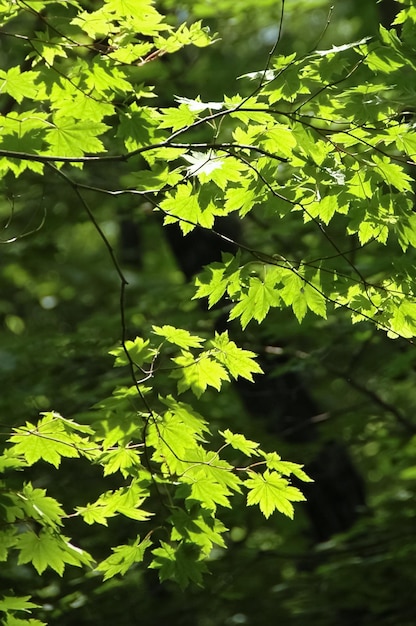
138 351
71 137
240 199
156 178
181 563
102 78
274 462
11 507
177 117
407 142
315 299
95 23
302 294
13 603
215 286
392 173
197 526
299 305
189 208
41 507
187 415
46 49
137 128
8 539
178 336
210 493
239 442
9 460
272 492
218 278
280 140
406 232
19 84
126 501
35 444
133 512
12 620
142 16
124 557
256 303
238 362
42 550
121 459
206 464
329 205
198 373
308 145
95 513
52 438
173 437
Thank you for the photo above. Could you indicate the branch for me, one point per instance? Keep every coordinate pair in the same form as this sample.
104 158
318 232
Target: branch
40 158
378 400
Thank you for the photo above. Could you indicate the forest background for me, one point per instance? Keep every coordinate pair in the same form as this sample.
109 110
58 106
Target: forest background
138 146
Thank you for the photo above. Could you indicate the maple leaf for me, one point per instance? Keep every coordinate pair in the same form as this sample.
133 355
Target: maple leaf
181 562
198 373
238 362
256 303
239 442
178 336
124 557
272 492
71 137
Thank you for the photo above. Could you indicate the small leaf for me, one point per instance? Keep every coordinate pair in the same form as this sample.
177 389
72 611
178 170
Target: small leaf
209 493
274 462
121 459
71 137
178 336
37 505
43 550
239 362
19 84
183 205
138 351
272 492
239 442
392 173
256 303
218 278
181 563
197 373
124 557
13 603
52 438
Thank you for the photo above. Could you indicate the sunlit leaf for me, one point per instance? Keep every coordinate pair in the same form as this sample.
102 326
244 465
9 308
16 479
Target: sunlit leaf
271 492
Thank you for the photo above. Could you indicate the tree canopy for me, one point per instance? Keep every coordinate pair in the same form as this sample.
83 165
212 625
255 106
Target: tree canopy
208 302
